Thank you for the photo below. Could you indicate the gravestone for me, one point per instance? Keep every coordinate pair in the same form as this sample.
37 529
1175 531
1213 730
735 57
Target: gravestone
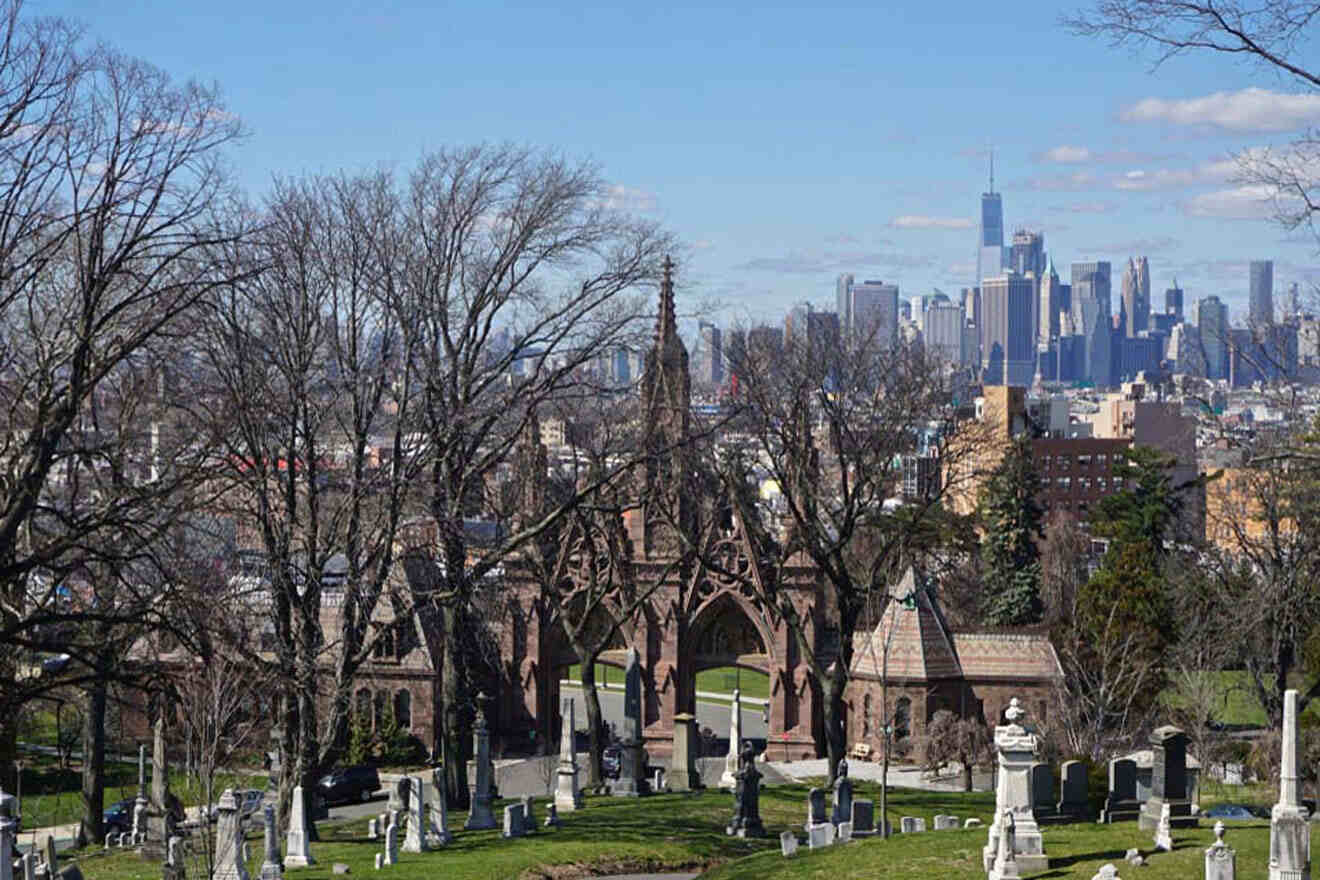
28 865
729 778
842 808
1168 781
973 822
414 836
1074 802
270 862
658 780
373 831
513 820
815 808
480 815
909 824
160 818
380 861
683 773
821 835
51 857
1107 872
1164 830
568 794
529 814
1005 865
946 823
440 809
1290 837
1220 858
382 820
1042 792
552 819
297 852
845 832
342 868
391 854
229 864
174 851
747 798
1016 754
630 782
1121 803
788 843
108 837
8 834
140 803
863 817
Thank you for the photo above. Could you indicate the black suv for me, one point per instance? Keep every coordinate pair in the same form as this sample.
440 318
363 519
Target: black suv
349 784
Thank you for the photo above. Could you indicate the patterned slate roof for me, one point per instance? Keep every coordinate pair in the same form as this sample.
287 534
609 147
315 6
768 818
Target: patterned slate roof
998 655
921 648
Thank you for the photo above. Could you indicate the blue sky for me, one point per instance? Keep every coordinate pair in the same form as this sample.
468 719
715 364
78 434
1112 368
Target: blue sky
784 143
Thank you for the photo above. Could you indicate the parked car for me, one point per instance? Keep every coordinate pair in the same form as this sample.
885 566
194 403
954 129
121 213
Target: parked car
1229 811
349 784
609 761
118 817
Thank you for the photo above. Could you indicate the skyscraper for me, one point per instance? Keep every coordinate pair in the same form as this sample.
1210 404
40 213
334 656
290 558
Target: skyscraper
1048 309
990 244
1027 256
1212 321
1173 302
1136 297
1007 343
709 368
843 301
873 313
1091 320
942 329
1261 304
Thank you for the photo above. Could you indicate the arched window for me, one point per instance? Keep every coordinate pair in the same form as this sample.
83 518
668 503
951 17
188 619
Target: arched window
403 709
902 717
378 706
866 715
362 706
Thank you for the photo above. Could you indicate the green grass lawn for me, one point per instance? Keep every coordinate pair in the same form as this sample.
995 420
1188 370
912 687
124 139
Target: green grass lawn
675 832
52 796
720 681
1237 699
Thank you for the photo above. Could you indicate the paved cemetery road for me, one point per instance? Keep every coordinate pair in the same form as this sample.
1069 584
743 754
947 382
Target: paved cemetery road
712 715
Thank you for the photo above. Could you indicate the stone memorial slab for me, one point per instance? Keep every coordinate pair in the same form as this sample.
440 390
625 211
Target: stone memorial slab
529 814
414 837
909 825
229 863
1290 830
863 817
1164 829
513 820
630 782
746 820
341 868
480 815
568 793
1043 805
973 822
391 854
845 831
842 789
439 835
29 862
815 808
1107 872
788 843
552 819
728 779
271 869
373 831
819 836
1168 781
8 834
1121 802
1074 800
1005 865
946 823
1016 753
683 773
380 861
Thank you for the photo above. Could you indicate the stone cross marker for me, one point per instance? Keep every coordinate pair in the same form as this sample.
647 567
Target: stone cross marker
414 840
297 852
1220 858
229 863
568 796
480 816
1290 839
270 862
629 783
729 778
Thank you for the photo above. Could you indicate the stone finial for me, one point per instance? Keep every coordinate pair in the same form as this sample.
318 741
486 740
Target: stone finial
1219 834
1015 713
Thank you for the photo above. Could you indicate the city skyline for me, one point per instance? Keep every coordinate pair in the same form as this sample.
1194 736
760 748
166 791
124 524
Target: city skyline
774 145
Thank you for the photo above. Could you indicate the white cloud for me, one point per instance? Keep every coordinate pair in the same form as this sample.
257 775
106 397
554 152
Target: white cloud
1252 109
1067 154
1252 202
921 221
1088 208
631 199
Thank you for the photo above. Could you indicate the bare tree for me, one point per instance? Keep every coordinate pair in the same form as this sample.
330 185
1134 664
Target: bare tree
114 194
312 401
523 274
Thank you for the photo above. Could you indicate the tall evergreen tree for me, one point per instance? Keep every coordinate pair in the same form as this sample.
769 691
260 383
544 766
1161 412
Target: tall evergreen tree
1012 519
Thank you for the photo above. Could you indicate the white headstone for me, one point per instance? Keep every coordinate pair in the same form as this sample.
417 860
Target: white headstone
1220 858
373 830
414 840
845 831
513 820
788 843
296 845
380 860
30 867
945 823
229 863
392 841
729 778
820 835
568 796
1290 830
1016 751
440 810
1164 829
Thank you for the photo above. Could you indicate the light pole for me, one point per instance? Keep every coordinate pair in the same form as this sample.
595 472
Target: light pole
908 601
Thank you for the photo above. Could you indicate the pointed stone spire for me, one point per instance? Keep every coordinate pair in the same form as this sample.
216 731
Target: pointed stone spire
1288 794
666 325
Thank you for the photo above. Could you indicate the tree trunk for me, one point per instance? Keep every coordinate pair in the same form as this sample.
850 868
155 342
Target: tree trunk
966 771
835 735
288 752
451 690
596 746
93 769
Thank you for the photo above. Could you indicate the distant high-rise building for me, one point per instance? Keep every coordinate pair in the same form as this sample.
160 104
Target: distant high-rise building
1027 256
1292 306
708 369
1261 295
1212 322
873 313
1173 302
942 329
843 302
1136 297
990 242
1049 305
811 327
1007 344
1091 319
